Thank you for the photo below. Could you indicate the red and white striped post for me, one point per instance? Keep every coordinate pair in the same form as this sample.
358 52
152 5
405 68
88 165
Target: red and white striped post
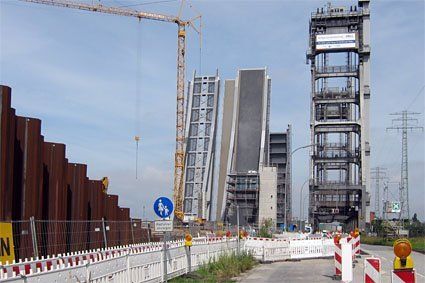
337 258
351 240
372 270
403 276
357 246
338 261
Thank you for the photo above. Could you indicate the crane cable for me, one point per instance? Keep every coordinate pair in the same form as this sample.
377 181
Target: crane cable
138 92
200 35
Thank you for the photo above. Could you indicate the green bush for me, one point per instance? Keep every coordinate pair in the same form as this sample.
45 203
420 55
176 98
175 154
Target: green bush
418 243
222 270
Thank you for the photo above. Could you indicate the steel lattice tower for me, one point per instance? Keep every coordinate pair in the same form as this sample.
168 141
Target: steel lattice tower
339 57
378 174
404 123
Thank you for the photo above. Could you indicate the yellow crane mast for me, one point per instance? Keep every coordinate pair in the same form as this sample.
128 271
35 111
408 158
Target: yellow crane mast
181 52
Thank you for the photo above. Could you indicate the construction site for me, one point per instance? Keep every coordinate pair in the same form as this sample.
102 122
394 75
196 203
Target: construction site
233 137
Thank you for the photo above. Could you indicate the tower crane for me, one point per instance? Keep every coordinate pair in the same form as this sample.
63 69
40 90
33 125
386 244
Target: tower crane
181 52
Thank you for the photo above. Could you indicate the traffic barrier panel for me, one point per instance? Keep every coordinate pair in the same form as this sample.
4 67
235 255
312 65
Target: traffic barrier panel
357 246
351 240
306 249
372 270
403 276
347 262
338 261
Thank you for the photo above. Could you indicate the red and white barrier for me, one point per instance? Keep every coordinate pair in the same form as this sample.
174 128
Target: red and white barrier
372 270
347 262
357 246
338 261
403 276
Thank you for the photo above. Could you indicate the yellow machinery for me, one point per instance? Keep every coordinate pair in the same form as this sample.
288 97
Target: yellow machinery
181 52
105 183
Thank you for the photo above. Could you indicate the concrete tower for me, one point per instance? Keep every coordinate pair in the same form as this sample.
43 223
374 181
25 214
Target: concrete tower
339 56
200 135
279 156
244 151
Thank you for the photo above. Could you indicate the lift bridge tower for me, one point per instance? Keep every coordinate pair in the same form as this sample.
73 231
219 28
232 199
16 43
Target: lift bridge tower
339 57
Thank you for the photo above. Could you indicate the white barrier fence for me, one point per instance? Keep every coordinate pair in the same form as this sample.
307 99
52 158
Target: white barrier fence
129 264
145 263
274 250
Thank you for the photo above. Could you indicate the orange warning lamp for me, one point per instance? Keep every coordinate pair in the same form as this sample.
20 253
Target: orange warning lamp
402 251
356 232
188 240
228 234
337 238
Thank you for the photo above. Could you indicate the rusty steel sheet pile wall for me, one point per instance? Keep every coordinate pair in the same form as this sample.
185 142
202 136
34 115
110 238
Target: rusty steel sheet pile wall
54 191
96 209
111 211
37 182
28 165
77 205
27 190
125 227
140 231
7 132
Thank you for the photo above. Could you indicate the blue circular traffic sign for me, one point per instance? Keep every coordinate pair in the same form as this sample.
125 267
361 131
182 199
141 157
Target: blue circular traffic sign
163 207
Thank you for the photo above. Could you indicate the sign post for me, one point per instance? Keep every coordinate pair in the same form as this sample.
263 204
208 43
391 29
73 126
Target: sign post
164 207
187 245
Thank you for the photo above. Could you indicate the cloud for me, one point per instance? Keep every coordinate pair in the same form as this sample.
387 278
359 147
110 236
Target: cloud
79 72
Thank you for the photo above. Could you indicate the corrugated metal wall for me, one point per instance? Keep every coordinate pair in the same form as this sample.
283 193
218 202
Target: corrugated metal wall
36 180
7 132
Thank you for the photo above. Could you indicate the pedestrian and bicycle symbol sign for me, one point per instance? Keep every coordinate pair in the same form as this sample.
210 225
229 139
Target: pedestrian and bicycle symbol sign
163 207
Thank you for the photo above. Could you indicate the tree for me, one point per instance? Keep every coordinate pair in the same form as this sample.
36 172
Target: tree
415 217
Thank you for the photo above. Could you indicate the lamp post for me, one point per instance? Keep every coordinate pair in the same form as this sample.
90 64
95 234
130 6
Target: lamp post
286 185
237 213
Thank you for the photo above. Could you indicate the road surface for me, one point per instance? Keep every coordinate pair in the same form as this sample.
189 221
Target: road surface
387 256
322 270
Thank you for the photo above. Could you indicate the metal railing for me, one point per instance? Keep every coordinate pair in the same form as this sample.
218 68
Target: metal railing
336 69
134 263
267 250
37 238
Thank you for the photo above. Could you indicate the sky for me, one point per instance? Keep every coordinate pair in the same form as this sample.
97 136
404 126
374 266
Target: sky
98 80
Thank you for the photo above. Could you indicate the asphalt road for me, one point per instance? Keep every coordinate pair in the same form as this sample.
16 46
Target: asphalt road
322 270
387 256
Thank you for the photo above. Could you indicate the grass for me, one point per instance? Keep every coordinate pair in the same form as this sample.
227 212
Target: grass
222 270
418 244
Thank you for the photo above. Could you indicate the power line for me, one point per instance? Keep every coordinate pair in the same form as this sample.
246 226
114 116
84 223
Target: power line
416 97
404 123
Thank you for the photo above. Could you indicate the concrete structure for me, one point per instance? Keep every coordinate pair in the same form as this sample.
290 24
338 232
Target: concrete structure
279 157
226 131
267 206
245 135
339 56
200 135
